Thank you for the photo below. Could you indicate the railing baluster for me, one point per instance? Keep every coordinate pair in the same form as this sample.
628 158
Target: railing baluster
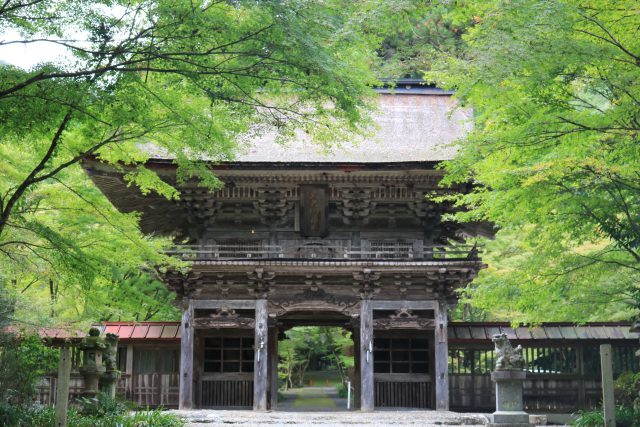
336 249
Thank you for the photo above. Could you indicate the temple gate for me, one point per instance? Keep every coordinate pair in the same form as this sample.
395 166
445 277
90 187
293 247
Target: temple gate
295 237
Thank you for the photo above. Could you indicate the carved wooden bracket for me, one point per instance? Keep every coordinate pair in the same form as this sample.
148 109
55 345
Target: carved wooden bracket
402 282
261 282
185 285
200 206
273 206
223 285
356 205
314 281
366 283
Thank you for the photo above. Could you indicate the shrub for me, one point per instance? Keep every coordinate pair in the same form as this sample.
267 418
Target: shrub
627 389
626 416
44 416
26 416
103 405
23 362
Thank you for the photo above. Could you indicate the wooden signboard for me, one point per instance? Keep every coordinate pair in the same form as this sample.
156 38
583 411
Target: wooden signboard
314 210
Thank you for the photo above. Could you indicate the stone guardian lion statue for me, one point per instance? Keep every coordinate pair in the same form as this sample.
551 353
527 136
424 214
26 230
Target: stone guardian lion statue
507 357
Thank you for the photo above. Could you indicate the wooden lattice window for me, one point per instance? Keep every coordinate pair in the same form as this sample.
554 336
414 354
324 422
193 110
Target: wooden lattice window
401 356
228 354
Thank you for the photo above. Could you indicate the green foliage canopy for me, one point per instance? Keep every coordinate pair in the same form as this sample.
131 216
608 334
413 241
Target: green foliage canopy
556 93
183 80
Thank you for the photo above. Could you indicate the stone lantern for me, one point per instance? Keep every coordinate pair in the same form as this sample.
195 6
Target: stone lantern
509 376
92 368
109 379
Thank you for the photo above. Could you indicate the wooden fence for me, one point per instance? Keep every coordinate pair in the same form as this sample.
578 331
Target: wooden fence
152 389
411 391
560 378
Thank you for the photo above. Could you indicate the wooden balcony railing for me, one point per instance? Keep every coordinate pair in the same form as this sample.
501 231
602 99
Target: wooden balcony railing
330 250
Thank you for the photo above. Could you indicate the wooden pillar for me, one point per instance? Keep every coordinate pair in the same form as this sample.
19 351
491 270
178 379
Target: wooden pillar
62 390
186 359
366 356
356 357
441 358
198 370
129 370
260 362
608 401
273 368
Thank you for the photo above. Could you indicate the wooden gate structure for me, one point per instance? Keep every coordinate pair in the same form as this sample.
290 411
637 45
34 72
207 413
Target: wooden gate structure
347 237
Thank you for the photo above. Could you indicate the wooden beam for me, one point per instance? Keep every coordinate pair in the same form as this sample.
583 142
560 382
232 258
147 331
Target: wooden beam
186 359
411 305
260 362
238 304
366 356
608 401
441 345
62 389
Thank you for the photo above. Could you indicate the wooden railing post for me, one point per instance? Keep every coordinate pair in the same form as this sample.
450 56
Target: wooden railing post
441 358
186 359
261 342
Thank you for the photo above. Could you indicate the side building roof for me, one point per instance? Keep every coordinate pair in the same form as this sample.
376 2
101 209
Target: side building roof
459 332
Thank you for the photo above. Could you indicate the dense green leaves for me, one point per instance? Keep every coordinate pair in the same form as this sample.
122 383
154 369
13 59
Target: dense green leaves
307 344
555 89
183 80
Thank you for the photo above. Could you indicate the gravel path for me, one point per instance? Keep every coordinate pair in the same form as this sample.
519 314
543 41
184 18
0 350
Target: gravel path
312 399
209 418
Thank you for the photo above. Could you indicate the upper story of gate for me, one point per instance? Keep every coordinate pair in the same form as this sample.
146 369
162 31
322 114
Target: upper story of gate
363 203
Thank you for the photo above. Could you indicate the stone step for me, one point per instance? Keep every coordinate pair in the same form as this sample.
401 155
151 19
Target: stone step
395 418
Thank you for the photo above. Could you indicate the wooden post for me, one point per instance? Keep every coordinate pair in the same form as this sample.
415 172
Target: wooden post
366 356
441 358
260 361
62 390
186 359
273 368
129 371
608 402
198 370
356 357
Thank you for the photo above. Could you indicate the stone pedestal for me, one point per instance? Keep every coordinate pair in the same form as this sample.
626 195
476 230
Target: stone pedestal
509 402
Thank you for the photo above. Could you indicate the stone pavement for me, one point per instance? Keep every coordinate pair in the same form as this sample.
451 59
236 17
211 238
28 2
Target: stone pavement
396 418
